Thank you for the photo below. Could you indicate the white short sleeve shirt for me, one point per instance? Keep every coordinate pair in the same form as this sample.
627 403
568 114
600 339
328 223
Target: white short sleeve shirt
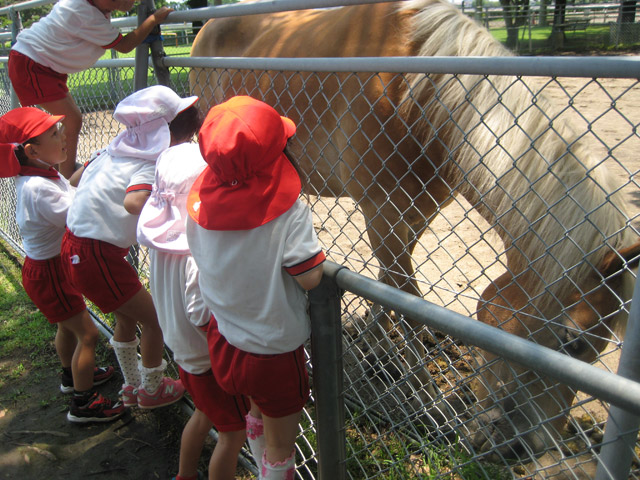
98 209
245 280
41 213
71 38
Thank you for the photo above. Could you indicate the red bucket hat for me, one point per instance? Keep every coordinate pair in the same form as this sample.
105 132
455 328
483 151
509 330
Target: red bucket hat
16 127
249 180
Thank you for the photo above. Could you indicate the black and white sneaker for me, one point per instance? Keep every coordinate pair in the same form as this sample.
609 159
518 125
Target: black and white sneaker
94 409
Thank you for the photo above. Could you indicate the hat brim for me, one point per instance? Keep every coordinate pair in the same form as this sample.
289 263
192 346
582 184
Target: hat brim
220 206
186 103
43 126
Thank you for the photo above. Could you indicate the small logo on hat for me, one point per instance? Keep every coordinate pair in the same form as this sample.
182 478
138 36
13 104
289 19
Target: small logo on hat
75 259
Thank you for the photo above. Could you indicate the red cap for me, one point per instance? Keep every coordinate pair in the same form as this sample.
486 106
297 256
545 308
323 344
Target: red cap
249 180
16 127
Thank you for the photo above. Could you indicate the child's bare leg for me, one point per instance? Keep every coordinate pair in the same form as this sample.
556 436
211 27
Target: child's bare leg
255 434
193 436
65 343
72 125
153 388
82 329
224 459
280 436
140 310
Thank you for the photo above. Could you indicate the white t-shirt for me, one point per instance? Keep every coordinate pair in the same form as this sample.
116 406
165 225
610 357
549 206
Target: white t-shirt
259 306
41 213
181 310
98 209
71 38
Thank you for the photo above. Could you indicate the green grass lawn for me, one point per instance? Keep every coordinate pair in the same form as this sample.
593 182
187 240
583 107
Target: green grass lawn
538 39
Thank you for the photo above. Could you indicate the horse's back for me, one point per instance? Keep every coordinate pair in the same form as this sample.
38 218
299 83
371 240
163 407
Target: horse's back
354 31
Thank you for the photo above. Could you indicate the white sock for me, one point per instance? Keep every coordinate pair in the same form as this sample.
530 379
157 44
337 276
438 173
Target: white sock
127 355
255 437
284 470
152 377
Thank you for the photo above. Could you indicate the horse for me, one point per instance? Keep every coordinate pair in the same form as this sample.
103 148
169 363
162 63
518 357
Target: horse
401 145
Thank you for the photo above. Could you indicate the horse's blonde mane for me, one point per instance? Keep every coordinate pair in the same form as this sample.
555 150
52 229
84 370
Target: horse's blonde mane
552 203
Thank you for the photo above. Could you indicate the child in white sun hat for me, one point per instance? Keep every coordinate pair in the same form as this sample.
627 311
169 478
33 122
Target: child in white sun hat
101 227
31 145
254 243
183 315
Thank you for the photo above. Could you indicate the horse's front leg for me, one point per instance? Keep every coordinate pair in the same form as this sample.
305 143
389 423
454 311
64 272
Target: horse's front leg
392 242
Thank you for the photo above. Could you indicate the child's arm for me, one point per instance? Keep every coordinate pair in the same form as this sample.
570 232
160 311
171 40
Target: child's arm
74 179
134 201
310 279
132 39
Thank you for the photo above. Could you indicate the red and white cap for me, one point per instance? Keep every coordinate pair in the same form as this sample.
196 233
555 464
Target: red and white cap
249 180
16 127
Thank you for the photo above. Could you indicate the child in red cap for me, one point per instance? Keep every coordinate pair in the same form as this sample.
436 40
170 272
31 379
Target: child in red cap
71 38
30 146
101 227
257 252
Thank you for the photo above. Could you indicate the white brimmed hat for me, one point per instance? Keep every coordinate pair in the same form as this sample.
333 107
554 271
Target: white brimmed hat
147 114
162 221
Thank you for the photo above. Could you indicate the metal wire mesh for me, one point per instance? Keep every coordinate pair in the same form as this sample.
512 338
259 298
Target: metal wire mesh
431 418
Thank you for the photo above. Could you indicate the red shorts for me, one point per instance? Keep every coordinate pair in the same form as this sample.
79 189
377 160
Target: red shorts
99 270
34 83
226 411
277 384
50 289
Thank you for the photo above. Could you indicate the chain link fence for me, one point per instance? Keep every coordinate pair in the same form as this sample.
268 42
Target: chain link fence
420 403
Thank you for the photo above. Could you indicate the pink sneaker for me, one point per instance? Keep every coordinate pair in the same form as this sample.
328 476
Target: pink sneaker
129 396
169 391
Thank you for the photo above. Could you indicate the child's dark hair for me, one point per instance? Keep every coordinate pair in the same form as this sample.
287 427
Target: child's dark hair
186 124
21 155
287 152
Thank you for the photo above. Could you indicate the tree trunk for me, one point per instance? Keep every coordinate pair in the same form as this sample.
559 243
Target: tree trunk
515 14
557 32
627 11
542 18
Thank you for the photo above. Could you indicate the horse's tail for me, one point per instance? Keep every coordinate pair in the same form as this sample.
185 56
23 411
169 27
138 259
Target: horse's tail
531 177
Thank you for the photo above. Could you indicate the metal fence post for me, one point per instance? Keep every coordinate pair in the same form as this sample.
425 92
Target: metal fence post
621 431
326 359
16 28
157 52
142 53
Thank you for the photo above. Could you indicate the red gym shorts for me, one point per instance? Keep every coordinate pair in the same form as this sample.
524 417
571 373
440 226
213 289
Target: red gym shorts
34 83
50 290
99 270
226 411
277 384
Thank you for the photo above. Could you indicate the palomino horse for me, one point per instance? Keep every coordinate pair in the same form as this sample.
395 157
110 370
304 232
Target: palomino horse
400 145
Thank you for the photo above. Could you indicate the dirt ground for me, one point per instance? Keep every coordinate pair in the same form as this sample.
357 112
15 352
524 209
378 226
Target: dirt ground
38 442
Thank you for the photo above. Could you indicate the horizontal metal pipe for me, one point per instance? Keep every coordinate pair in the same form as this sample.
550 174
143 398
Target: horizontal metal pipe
604 385
589 67
264 6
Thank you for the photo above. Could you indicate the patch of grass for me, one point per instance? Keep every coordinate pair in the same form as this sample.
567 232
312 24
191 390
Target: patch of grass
22 326
594 37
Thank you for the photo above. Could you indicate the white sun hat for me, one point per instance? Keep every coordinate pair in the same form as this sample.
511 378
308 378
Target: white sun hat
162 221
147 114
